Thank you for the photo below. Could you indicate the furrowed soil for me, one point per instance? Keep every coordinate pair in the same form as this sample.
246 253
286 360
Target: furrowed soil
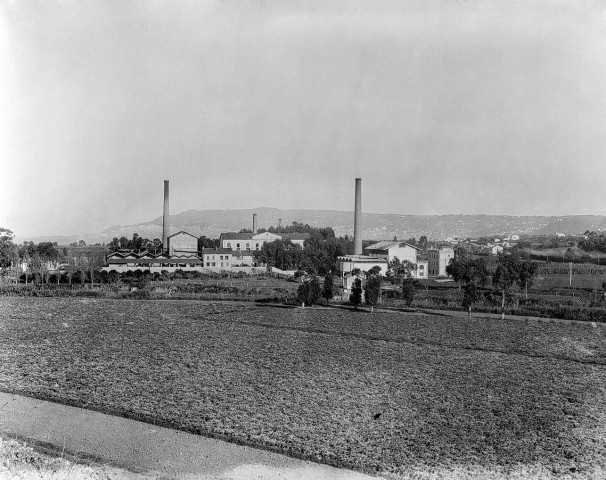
392 393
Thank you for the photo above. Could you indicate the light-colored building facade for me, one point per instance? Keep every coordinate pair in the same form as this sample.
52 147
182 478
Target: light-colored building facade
390 250
182 242
242 258
438 259
364 263
422 271
255 241
216 258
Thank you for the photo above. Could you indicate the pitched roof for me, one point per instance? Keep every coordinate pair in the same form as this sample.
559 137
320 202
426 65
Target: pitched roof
208 251
236 236
386 245
242 253
184 232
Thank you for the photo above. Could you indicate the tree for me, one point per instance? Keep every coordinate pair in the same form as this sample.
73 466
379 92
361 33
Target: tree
356 293
423 242
309 292
457 266
397 271
408 290
9 252
505 275
47 251
526 275
470 296
376 270
328 289
470 274
372 292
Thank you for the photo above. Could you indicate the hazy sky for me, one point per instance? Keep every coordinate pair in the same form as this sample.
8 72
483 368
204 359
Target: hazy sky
440 106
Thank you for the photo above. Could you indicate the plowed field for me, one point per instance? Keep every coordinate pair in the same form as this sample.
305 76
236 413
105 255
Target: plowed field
392 393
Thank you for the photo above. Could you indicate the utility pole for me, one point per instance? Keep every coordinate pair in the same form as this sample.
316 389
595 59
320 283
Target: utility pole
570 280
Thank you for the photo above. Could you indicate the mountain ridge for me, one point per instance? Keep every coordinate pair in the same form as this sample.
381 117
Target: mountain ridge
212 223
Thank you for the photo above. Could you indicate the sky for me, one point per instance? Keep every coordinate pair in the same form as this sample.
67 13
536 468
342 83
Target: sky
495 107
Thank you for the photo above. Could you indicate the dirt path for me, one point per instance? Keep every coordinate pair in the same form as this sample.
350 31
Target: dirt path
147 450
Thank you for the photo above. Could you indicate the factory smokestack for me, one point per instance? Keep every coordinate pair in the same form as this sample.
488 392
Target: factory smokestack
165 218
358 219
254 223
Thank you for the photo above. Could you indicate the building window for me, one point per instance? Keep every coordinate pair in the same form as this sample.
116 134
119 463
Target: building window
228 245
214 264
248 246
208 264
238 246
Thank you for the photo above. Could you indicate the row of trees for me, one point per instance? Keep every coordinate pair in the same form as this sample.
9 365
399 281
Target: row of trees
137 244
595 242
472 274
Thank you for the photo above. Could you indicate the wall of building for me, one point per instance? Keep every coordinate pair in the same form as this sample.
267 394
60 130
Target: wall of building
182 242
438 260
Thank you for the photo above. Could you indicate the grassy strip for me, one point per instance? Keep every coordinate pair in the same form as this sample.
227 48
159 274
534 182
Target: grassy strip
18 460
373 405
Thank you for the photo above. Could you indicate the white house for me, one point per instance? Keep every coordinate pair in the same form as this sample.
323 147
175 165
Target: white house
255 241
216 259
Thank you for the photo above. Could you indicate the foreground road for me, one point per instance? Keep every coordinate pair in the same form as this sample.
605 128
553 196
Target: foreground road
149 451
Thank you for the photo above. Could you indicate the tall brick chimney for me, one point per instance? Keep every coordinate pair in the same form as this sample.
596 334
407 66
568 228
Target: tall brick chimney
358 219
254 223
165 219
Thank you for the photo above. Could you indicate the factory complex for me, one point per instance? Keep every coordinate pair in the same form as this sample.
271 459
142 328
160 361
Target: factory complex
239 252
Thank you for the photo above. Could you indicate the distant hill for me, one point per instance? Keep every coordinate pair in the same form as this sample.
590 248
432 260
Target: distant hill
376 226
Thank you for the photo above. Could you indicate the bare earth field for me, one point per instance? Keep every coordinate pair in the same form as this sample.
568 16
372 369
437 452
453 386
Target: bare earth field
390 393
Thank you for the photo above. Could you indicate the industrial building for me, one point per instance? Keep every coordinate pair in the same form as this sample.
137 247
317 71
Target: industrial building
378 254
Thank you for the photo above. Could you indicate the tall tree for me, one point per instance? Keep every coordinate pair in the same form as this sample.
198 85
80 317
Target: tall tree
309 292
372 292
470 274
9 252
505 276
356 293
527 272
408 290
328 289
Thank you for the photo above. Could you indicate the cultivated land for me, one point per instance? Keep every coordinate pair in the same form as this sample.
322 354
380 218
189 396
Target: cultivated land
392 393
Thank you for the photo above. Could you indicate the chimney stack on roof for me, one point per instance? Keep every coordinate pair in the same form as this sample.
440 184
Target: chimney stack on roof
254 223
358 219
165 219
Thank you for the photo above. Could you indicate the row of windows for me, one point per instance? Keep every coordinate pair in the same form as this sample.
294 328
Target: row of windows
257 245
214 264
